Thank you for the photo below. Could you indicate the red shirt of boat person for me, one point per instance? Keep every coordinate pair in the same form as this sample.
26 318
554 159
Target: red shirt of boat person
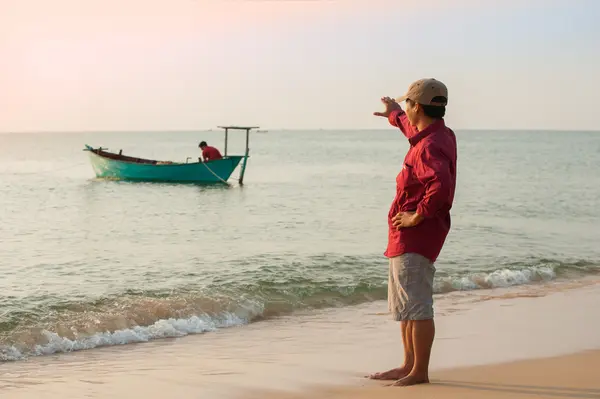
209 153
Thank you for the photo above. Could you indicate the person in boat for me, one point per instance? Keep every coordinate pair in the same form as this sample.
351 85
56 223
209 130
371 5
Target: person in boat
419 221
209 153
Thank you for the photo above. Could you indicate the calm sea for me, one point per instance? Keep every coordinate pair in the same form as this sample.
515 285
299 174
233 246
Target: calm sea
88 263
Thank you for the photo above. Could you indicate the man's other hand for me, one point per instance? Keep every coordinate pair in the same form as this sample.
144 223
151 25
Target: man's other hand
406 219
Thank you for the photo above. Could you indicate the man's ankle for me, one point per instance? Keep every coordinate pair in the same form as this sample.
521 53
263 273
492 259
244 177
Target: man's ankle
408 365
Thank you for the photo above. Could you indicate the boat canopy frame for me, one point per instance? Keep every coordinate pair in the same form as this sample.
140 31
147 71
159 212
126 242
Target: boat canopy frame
247 129
228 128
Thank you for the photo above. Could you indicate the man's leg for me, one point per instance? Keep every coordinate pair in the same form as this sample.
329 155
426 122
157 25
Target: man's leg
423 333
418 287
407 341
395 306
408 365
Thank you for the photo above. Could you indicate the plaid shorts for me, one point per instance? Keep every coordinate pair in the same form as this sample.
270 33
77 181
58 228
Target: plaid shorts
410 287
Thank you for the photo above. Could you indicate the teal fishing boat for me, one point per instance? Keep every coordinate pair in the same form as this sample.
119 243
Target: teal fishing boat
122 167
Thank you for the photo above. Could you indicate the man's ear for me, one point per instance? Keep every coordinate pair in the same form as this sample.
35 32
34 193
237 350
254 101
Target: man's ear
417 108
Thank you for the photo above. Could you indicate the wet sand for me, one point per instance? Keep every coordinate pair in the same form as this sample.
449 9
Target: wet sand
325 353
569 376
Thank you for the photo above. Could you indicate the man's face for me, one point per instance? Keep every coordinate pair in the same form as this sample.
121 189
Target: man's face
412 112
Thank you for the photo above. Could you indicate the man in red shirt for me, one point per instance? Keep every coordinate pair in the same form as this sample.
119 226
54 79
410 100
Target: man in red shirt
209 153
419 221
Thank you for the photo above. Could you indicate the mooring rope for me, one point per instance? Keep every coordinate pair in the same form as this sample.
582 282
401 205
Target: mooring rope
214 174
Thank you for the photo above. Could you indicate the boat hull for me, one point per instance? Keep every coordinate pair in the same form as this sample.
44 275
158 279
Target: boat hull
217 171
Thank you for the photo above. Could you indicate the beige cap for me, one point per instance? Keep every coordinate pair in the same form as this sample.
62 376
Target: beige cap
423 91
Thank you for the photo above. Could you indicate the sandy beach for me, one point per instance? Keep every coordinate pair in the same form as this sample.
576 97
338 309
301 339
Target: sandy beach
327 353
569 376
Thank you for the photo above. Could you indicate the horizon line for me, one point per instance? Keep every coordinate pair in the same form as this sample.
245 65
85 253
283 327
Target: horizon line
280 129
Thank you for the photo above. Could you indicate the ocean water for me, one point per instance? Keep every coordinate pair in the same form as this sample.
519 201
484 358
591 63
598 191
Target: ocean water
87 263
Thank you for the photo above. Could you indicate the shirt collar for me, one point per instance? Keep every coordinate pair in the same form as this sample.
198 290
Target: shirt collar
426 132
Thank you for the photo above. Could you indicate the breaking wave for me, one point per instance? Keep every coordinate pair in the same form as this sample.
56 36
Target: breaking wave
138 316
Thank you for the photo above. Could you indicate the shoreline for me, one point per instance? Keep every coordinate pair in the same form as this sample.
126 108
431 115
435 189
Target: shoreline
332 347
58 339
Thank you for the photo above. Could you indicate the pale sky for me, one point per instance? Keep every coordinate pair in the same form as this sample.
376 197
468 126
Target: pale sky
73 65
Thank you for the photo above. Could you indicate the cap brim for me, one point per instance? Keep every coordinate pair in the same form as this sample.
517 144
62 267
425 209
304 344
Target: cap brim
402 98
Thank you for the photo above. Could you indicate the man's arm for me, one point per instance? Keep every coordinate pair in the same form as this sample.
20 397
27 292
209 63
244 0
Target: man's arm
396 116
434 173
399 119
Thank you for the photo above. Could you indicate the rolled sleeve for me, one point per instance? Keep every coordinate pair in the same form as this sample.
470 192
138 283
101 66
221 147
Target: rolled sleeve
399 119
394 117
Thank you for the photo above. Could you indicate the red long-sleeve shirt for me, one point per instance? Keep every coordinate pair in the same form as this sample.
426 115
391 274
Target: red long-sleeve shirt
211 153
426 185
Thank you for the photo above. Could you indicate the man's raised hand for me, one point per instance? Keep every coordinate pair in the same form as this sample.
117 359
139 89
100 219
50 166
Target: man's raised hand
390 105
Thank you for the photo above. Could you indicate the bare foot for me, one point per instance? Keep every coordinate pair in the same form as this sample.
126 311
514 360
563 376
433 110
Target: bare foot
393 374
411 379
